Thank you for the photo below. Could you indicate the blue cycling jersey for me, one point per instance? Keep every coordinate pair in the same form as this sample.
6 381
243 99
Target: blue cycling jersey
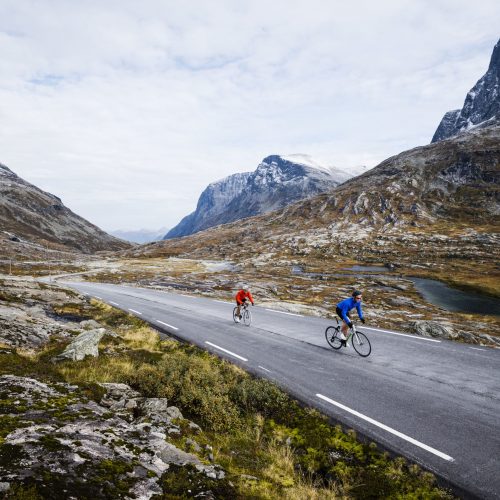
346 305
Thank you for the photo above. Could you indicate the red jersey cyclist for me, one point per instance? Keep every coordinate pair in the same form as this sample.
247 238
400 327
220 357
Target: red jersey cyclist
241 297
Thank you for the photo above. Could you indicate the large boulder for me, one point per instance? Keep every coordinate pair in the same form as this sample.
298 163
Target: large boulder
432 329
85 344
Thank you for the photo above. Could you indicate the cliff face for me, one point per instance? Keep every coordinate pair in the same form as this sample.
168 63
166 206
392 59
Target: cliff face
481 107
277 182
29 214
212 202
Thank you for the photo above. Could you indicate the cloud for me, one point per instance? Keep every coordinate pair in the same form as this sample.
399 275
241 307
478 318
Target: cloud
105 102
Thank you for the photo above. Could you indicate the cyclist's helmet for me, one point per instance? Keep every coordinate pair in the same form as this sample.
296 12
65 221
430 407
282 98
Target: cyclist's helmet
356 293
245 288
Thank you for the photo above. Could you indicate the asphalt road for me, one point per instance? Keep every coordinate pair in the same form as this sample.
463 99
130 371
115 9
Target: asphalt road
435 402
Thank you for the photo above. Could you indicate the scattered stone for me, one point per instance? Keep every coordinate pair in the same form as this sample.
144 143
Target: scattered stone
490 338
248 477
194 427
468 337
192 444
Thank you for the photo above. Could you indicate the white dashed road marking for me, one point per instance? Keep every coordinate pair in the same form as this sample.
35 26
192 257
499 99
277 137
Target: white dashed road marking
97 297
403 335
265 369
388 429
166 324
226 351
114 303
283 312
136 312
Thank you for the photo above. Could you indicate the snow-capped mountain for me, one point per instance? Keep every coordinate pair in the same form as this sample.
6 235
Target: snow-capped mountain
28 214
277 182
481 107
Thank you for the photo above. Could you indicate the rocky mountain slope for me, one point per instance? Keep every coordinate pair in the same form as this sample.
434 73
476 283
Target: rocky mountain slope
277 182
28 214
481 107
450 183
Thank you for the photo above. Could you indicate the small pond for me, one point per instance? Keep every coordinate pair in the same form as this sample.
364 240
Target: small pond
366 268
351 271
452 299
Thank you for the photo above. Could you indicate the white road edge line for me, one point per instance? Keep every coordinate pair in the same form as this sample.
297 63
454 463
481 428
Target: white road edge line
388 429
114 303
283 312
477 349
265 369
136 312
226 351
97 297
223 301
166 324
402 334
188 296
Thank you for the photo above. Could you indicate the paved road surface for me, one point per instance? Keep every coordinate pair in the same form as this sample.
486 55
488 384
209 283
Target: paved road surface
435 402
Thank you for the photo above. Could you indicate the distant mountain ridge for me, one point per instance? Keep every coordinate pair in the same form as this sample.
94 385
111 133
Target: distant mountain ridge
28 213
481 107
139 235
277 182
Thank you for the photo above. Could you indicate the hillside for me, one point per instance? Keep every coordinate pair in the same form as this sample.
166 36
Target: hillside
450 187
36 218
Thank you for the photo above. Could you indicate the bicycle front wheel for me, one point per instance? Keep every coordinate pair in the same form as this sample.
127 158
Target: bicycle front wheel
235 316
361 344
247 317
332 335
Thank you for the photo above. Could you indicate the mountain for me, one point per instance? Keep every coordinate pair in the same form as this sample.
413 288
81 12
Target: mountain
439 201
277 182
29 214
140 235
481 107
211 205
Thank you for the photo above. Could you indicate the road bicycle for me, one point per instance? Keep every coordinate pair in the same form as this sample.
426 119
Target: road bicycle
358 340
245 314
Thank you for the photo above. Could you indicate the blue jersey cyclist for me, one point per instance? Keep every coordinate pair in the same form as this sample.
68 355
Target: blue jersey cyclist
343 310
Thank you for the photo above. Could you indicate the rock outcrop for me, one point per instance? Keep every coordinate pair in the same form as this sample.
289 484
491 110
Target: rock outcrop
481 107
88 451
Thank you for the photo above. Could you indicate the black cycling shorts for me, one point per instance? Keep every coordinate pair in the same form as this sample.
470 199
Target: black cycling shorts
339 312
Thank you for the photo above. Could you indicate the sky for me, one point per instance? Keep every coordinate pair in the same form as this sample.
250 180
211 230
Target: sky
127 110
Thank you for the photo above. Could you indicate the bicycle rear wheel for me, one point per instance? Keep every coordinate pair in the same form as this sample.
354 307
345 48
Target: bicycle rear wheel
247 317
361 344
332 335
235 316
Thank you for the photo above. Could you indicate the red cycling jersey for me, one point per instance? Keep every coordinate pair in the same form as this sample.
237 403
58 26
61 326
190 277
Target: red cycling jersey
241 295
